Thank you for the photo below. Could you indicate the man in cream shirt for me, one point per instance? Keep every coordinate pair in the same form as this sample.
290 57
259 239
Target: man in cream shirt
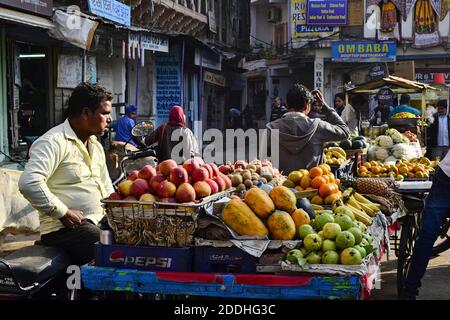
66 176
436 210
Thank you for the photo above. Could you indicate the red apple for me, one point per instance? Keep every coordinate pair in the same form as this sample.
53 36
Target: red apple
166 189
139 187
220 183
155 181
147 172
133 175
200 174
178 176
210 170
225 169
190 165
167 166
227 181
215 169
202 189
199 160
185 193
129 199
147 197
125 187
213 185
115 196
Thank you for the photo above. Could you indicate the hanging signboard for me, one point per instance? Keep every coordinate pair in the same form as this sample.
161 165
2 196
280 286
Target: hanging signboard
69 71
154 42
214 78
300 31
364 51
318 74
42 7
378 72
208 60
112 10
426 75
327 12
168 82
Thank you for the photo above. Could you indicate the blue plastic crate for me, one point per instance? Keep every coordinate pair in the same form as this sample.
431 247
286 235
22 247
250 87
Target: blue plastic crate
223 285
144 258
225 260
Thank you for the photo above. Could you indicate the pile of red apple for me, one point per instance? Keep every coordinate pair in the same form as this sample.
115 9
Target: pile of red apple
173 183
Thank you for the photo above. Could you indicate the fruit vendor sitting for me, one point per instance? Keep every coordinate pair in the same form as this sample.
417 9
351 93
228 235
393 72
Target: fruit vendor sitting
66 176
301 138
404 106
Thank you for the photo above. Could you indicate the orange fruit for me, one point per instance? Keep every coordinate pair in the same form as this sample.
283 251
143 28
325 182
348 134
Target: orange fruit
337 182
326 189
331 175
367 165
376 170
317 182
326 177
315 172
306 182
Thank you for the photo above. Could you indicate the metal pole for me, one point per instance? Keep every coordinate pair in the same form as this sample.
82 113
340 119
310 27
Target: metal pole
83 68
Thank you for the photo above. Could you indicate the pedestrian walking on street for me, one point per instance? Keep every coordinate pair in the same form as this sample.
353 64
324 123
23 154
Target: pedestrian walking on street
439 133
437 208
277 109
168 137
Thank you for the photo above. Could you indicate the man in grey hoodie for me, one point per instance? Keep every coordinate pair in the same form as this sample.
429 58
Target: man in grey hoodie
301 138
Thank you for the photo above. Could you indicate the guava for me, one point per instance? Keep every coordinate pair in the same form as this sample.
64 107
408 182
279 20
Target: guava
357 234
344 221
304 230
351 256
328 245
312 242
344 240
331 230
330 257
313 258
324 218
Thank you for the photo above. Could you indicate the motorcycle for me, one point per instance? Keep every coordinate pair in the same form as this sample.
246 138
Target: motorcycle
40 272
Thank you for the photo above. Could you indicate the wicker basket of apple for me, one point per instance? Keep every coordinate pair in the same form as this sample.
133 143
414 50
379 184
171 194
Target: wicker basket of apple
159 206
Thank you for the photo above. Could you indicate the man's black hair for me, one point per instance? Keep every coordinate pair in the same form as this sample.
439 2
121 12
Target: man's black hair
87 95
405 99
340 96
442 103
297 96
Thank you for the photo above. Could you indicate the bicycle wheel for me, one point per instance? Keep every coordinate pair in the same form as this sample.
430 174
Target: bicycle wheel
443 242
409 233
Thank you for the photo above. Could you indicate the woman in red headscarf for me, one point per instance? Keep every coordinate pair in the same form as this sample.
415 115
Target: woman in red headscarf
175 141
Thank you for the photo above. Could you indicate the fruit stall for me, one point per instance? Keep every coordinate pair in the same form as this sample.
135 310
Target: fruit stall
404 121
239 230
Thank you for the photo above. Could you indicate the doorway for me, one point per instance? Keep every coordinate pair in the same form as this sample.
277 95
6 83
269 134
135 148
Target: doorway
30 101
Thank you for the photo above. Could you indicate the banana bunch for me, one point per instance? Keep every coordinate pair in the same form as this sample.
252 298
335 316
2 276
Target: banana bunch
317 207
335 155
362 208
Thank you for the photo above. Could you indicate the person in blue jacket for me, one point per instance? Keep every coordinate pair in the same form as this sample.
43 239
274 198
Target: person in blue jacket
125 124
404 106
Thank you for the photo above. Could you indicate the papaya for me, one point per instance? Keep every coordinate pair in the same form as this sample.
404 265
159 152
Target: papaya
281 226
259 201
283 198
239 217
300 218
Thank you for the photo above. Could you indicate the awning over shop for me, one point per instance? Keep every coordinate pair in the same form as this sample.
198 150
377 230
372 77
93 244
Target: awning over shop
25 18
396 84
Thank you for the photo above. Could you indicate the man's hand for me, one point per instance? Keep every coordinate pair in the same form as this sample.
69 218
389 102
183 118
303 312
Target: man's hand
318 96
72 219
